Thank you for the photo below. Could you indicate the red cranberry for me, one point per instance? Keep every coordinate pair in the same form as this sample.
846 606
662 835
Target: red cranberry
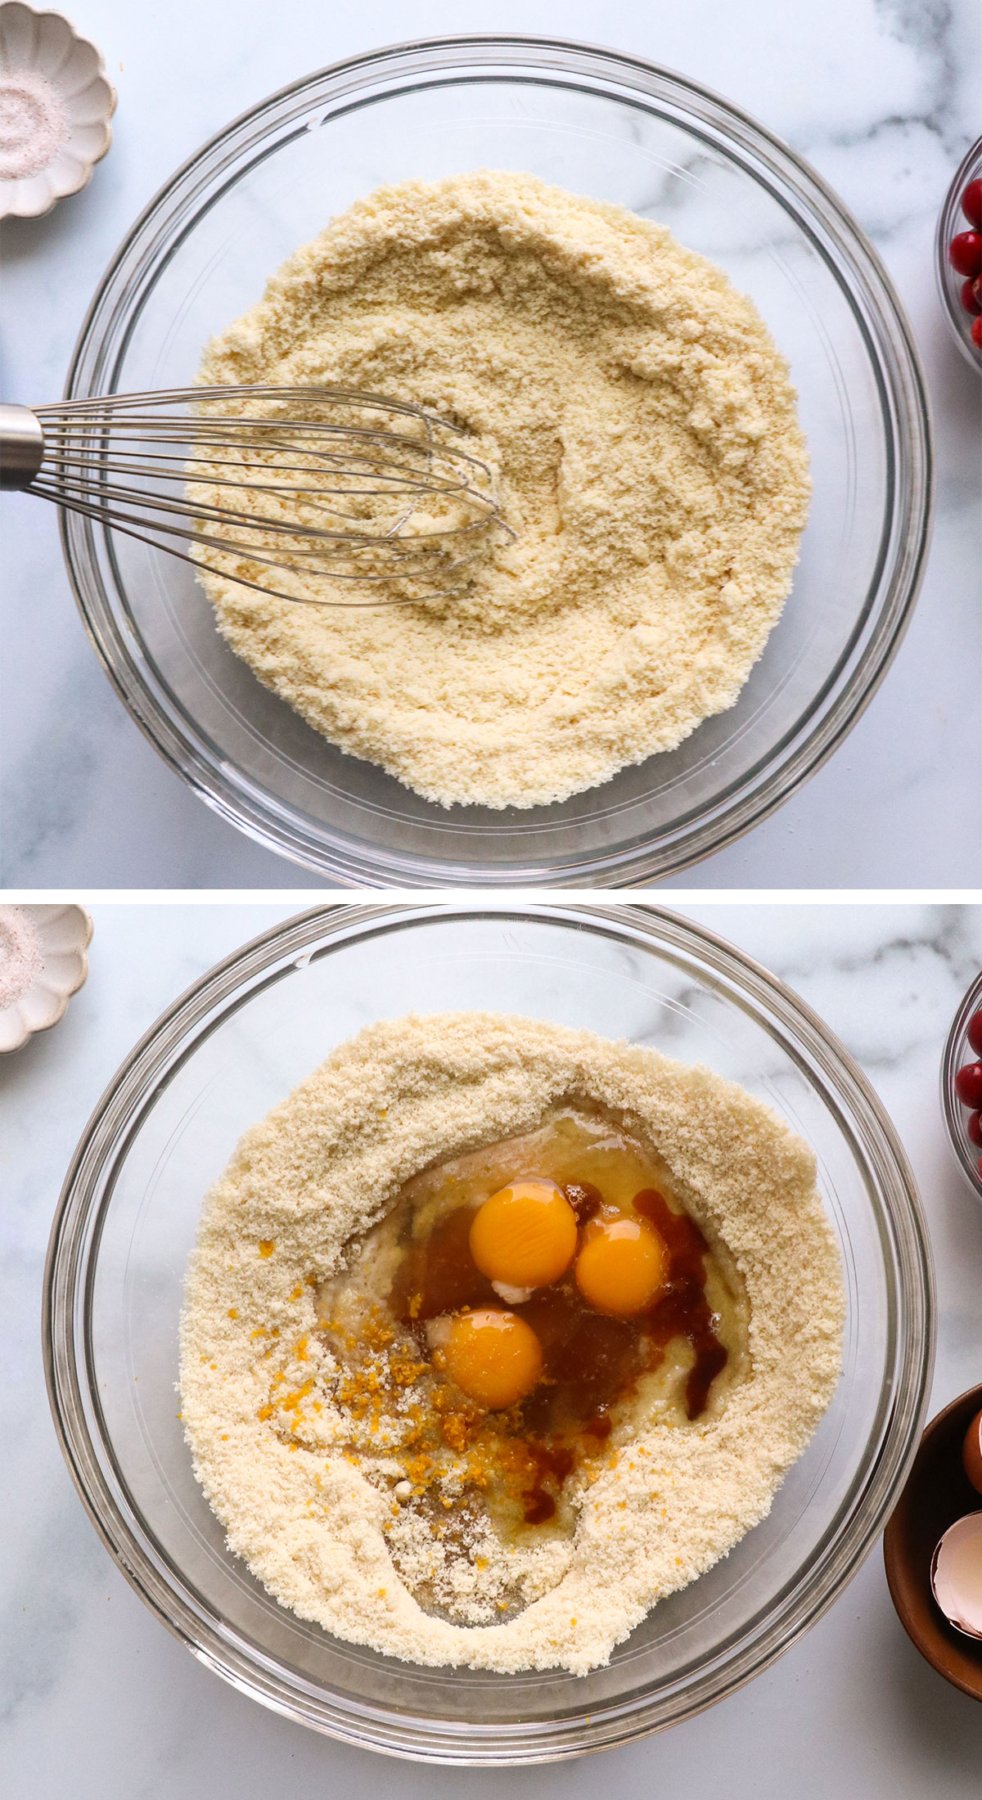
965 252
974 1032
972 203
976 333
974 1128
968 1085
968 296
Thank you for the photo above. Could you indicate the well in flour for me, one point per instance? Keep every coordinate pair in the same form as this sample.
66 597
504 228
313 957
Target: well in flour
644 433
260 1377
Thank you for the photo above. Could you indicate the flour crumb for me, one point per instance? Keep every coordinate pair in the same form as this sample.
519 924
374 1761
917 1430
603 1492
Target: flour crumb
257 1380
644 434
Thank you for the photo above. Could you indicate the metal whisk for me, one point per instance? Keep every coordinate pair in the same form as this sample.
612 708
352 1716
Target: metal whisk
304 493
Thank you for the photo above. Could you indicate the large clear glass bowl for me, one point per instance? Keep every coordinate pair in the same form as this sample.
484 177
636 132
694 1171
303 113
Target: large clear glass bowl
601 124
234 1045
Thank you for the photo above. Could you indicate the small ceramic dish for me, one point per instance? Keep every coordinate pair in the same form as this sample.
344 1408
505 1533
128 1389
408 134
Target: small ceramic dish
958 1051
55 106
951 220
42 964
937 1492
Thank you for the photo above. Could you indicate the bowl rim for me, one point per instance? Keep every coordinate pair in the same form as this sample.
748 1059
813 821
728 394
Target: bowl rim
106 1136
845 691
953 1112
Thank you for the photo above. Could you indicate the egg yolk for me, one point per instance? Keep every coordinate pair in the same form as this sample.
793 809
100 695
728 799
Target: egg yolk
621 1266
525 1234
494 1357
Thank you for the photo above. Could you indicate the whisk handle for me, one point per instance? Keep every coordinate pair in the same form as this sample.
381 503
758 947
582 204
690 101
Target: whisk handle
21 446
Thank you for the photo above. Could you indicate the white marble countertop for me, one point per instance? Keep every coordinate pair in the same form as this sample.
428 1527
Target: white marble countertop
98 1699
876 93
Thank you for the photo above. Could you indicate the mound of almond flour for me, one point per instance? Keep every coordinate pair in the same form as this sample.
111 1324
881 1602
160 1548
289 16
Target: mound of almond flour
643 431
327 1163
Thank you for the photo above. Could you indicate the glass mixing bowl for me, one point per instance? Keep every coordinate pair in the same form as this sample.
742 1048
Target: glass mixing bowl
957 1051
600 124
234 1045
951 219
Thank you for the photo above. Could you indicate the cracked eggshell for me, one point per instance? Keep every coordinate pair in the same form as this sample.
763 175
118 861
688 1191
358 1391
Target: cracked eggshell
956 1575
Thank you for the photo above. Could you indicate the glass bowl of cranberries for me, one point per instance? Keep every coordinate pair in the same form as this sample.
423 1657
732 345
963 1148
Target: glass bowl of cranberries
959 255
961 1084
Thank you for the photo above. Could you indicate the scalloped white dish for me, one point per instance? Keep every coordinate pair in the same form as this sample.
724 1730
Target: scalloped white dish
43 963
56 102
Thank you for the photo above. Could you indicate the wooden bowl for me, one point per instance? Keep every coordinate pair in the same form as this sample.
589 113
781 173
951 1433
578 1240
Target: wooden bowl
937 1493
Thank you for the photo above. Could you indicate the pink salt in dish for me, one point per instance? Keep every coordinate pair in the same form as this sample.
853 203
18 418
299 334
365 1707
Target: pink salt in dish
55 106
21 961
33 124
42 964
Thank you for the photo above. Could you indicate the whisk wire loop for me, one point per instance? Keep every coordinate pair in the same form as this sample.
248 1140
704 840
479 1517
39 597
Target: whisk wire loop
299 493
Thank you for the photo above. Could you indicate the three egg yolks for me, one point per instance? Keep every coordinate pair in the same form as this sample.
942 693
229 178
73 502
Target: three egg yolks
526 1236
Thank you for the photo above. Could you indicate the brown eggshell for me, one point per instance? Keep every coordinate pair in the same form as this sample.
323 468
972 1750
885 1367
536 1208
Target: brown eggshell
955 1573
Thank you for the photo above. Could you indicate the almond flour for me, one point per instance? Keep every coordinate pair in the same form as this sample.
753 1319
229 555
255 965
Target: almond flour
259 1383
643 430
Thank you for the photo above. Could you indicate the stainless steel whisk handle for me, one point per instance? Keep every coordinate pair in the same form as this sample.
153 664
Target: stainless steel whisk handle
21 446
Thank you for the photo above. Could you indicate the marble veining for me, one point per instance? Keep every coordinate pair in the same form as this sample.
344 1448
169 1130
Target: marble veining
97 1699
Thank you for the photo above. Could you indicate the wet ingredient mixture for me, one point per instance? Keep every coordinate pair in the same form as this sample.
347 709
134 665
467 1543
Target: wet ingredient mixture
502 1332
642 433
496 1333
